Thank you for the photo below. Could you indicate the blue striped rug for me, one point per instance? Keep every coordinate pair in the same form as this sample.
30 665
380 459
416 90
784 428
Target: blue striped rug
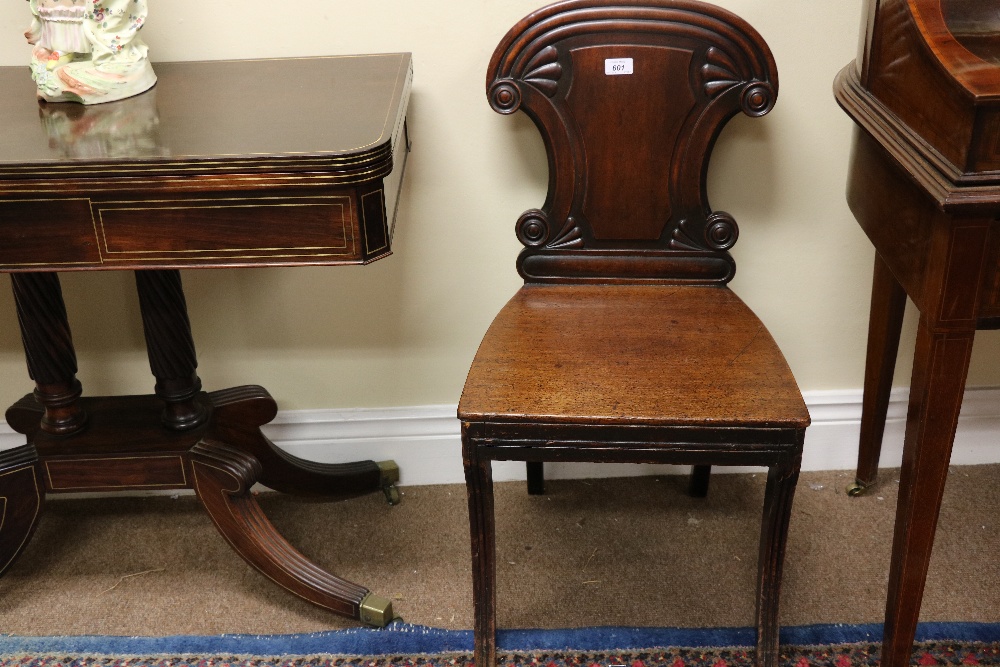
404 644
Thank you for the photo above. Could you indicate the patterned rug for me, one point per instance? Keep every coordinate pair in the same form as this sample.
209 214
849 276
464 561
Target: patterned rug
403 645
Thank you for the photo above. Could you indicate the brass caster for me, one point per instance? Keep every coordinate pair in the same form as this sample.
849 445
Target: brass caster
856 489
390 475
391 494
376 611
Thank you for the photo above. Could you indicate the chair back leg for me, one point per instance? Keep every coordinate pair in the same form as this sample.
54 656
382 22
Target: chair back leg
700 475
536 478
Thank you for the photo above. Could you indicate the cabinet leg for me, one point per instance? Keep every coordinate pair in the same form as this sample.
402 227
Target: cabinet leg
940 366
778 496
48 347
170 347
223 477
21 495
884 325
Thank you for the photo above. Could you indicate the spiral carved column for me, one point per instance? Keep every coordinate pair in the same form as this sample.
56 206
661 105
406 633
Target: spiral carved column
48 348
170 347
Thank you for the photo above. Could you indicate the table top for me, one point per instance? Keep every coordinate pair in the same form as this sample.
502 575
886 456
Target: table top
293 161
336 110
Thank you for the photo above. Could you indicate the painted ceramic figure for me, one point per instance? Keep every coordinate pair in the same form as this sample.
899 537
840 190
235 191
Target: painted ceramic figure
88 51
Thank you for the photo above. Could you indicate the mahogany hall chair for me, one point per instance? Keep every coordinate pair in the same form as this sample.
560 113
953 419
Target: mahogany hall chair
625 343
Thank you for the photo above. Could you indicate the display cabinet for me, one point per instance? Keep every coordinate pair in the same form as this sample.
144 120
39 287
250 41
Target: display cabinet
924 184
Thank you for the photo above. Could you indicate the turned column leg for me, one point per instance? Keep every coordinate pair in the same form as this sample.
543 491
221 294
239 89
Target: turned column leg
170 347
884 325
479 487
778 496
940 367
48 347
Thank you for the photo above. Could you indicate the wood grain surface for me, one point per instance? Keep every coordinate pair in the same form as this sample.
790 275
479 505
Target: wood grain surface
631 354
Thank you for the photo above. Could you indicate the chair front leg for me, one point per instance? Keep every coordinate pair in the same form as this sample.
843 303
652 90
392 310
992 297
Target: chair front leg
780 490
479 487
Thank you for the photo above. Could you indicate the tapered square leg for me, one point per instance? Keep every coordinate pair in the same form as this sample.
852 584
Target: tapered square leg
884 325
940 367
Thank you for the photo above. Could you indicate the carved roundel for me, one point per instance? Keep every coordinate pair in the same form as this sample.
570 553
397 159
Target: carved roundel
721 231
532 228
757 99
505 97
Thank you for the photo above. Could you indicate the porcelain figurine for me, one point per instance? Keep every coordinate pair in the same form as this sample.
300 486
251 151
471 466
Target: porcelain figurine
89 51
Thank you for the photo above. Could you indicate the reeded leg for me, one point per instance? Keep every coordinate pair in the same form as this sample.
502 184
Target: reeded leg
170 347
536 478
700 476
940 367
223 477
778 496
48 347
479 486
884 325
21 496
239 413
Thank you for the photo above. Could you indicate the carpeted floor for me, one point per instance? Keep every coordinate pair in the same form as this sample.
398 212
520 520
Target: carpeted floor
625 552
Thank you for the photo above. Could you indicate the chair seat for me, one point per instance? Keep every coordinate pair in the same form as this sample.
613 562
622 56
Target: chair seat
627 354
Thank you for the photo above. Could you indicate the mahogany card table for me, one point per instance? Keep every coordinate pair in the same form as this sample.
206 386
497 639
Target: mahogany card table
285 162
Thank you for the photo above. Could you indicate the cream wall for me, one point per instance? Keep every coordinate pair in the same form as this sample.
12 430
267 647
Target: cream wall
403 330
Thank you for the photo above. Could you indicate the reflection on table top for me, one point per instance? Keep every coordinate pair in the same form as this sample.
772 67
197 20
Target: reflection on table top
337 105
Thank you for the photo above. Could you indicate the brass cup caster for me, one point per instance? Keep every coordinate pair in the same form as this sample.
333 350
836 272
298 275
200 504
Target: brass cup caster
390 475
856 489
376 611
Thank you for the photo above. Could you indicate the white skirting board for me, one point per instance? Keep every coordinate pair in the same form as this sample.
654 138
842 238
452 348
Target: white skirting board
425 440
